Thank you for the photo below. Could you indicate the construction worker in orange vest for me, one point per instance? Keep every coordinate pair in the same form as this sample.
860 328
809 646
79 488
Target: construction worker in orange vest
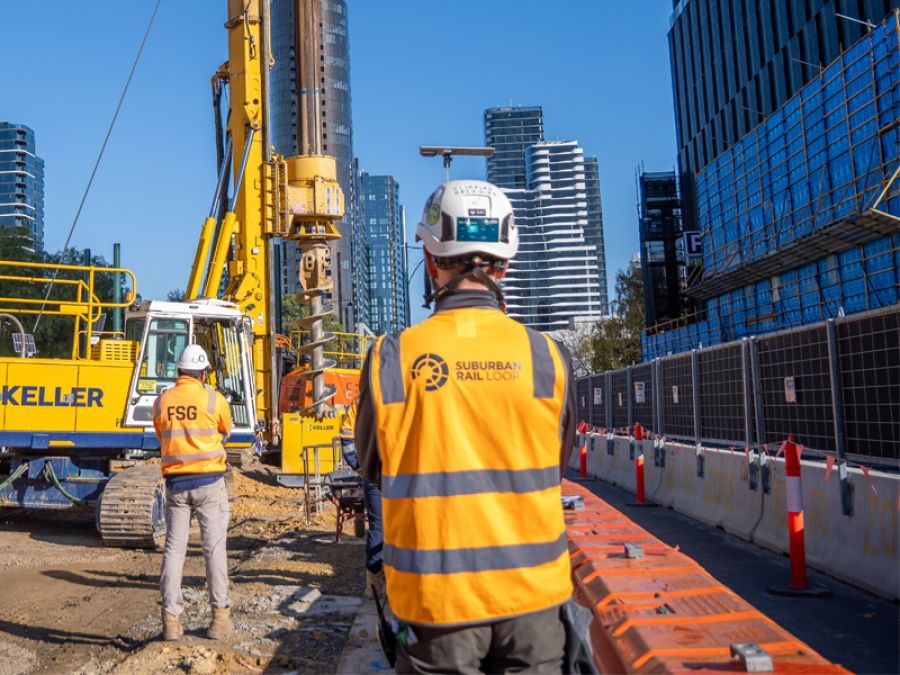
466 421
192 421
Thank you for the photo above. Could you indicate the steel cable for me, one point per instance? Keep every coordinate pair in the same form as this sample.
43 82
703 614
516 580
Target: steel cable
90 182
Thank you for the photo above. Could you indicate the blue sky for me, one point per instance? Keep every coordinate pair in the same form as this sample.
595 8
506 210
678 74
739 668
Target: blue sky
422 73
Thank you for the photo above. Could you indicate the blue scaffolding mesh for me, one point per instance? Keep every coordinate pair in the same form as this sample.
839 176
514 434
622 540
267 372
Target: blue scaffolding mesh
816 164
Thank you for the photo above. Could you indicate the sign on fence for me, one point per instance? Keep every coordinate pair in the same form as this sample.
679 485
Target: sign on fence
790 390
675 393
639 395
598 396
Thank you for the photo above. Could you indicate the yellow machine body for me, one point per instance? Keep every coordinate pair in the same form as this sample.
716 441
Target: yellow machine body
62 396
308 448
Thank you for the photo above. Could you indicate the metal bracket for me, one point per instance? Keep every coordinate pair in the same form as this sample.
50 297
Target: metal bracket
631 450
659 454
634 551
753 658
766 474
610 445
753 473
847 489
701 462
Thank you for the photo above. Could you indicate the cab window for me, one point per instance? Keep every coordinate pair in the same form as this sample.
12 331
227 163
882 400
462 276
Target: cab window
166 338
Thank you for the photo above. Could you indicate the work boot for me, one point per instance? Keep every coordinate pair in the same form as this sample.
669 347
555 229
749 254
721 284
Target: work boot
376 580
221 625
172 629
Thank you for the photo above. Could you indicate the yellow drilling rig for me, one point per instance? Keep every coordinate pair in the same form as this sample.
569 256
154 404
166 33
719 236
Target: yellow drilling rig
78 430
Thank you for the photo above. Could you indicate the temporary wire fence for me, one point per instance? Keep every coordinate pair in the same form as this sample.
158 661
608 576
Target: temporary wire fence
834 386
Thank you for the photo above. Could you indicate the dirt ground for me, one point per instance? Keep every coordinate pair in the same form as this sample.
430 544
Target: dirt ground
70 605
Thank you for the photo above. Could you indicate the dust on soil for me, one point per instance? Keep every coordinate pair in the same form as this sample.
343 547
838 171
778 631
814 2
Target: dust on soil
69 604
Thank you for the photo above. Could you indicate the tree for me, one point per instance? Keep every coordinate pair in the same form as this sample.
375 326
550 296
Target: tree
176 295
617 340
293 311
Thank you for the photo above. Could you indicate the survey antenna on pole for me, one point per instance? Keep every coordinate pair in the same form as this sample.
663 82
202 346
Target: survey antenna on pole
448 152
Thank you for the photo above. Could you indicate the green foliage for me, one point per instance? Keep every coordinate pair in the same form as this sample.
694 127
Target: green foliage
293 310
617 340
53 335
175 295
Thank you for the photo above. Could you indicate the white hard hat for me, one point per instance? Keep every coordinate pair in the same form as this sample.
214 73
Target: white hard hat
193 358
466 217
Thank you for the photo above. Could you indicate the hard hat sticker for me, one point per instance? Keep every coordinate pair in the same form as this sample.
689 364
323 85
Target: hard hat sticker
478 229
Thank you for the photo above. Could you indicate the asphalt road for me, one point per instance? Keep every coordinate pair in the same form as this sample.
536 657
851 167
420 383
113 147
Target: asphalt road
852 627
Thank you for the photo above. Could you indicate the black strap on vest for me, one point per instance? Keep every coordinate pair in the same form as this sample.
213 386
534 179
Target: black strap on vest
473 266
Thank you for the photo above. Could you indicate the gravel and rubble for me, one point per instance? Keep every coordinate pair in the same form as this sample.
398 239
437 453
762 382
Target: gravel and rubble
295 593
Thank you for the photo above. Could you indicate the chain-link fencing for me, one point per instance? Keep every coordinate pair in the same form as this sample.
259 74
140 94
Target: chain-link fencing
834 386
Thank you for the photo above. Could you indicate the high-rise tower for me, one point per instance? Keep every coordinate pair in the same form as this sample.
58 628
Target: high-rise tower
21 183
380 209
509 131
735 62
555 278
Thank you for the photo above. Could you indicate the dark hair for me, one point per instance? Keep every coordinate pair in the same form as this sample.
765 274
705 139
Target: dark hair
191 373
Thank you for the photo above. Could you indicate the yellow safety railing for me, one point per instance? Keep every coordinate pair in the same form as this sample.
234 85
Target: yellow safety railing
79 299
348 350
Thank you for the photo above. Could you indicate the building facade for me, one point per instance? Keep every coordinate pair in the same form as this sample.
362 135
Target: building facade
662 246
800 218
555 277
510 131
734 62
388 296
593 234
337 131
21 183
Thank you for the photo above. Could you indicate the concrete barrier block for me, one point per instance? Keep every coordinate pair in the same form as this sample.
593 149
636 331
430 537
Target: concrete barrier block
862 548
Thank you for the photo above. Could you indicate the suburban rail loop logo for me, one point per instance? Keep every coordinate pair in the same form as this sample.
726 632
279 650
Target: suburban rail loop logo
433 369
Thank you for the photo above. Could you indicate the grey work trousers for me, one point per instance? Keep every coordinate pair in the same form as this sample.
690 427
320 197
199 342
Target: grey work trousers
210 503
533 643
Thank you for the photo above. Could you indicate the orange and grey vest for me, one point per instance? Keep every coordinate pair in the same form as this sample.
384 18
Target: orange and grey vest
469 408
190 420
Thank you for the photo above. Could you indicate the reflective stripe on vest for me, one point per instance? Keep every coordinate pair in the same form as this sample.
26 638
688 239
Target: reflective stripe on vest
186 433
451 483
469 408
193 457
210 400
480 559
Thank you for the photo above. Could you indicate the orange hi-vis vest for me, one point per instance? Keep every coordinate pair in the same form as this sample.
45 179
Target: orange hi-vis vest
191 419
469 408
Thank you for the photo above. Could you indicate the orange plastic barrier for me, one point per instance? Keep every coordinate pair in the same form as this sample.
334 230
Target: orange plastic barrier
657 611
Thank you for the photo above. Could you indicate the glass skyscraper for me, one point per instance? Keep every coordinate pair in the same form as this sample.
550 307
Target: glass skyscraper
509 131
555 278
559 273
734 62
337 130
21 182
380 210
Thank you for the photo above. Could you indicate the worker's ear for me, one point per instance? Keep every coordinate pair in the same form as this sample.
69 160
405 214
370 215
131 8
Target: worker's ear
430 267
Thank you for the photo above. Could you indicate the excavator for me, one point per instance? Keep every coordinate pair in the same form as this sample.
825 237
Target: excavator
78 430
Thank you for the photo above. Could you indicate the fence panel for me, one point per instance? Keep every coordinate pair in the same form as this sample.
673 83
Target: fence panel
642 395
870 376
597 397
678 396
722 394
619 398
582 402
796 387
